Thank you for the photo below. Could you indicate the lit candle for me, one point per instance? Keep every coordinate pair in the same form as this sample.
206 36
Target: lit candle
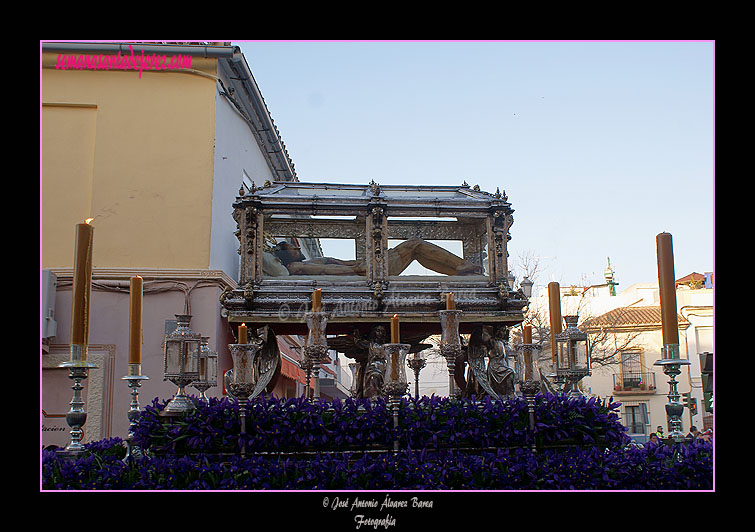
527 334
450 303
82 287
317 300
394 329
242 334
135 321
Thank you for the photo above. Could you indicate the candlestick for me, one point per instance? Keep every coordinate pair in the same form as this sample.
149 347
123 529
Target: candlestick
135 321
450 303
133 379
554 304
317 300
82 287
671 361
527 334
395 329
242 334
667 289
527 340
450 344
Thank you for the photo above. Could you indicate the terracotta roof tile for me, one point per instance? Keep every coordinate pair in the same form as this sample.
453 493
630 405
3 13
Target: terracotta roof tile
694 276
629 316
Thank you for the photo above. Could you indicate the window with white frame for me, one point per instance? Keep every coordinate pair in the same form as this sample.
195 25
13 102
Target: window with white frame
636 418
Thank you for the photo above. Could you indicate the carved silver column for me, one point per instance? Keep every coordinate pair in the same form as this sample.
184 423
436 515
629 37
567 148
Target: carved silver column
317 347
450 344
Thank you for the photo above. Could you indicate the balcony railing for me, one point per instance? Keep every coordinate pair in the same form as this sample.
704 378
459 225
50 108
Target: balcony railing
641 382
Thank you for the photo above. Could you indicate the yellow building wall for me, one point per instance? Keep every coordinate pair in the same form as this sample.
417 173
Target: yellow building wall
135 154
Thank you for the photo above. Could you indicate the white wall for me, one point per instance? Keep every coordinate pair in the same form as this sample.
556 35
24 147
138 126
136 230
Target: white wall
236 152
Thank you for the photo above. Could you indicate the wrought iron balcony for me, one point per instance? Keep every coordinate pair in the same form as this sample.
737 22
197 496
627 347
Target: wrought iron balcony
640 382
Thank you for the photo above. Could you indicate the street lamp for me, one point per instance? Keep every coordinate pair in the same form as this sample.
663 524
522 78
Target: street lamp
572 359
181 364
526 286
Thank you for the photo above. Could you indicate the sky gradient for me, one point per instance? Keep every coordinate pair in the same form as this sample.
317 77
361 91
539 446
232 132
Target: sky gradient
599 146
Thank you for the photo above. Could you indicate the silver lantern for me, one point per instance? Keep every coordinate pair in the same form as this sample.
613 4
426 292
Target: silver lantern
182 348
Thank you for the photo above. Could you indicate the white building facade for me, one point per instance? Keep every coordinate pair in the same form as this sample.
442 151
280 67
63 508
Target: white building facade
625 333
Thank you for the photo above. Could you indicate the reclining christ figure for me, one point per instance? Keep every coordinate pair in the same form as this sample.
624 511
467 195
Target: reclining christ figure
429 255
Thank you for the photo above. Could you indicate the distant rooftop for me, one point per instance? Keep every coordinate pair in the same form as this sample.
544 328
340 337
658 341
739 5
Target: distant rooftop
648 316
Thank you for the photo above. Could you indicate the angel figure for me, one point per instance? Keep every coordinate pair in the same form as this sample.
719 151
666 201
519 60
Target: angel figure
493 378
373 376
500 375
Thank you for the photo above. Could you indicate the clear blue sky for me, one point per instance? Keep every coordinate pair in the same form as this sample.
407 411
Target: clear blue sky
599 146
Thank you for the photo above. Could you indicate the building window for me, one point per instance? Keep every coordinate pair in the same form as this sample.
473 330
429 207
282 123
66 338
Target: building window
631 369
636 418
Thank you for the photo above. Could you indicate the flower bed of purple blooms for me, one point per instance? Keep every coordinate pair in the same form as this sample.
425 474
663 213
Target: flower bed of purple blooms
347 445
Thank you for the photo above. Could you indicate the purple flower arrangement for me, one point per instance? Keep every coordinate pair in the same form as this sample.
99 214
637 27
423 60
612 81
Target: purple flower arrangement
446 444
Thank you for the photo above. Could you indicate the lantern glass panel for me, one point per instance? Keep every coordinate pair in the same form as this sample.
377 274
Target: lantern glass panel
395 367
563 354
211 369
580 351
172 357
190 361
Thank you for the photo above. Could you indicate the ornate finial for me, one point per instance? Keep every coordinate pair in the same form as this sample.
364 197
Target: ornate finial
608 275
241 190
374 187
505 197
476 188
465 184
497 192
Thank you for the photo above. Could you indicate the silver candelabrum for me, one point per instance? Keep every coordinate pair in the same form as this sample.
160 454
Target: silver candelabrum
78 370
134 380
315 350
394 380
243 380
450 344
529 380
671 363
